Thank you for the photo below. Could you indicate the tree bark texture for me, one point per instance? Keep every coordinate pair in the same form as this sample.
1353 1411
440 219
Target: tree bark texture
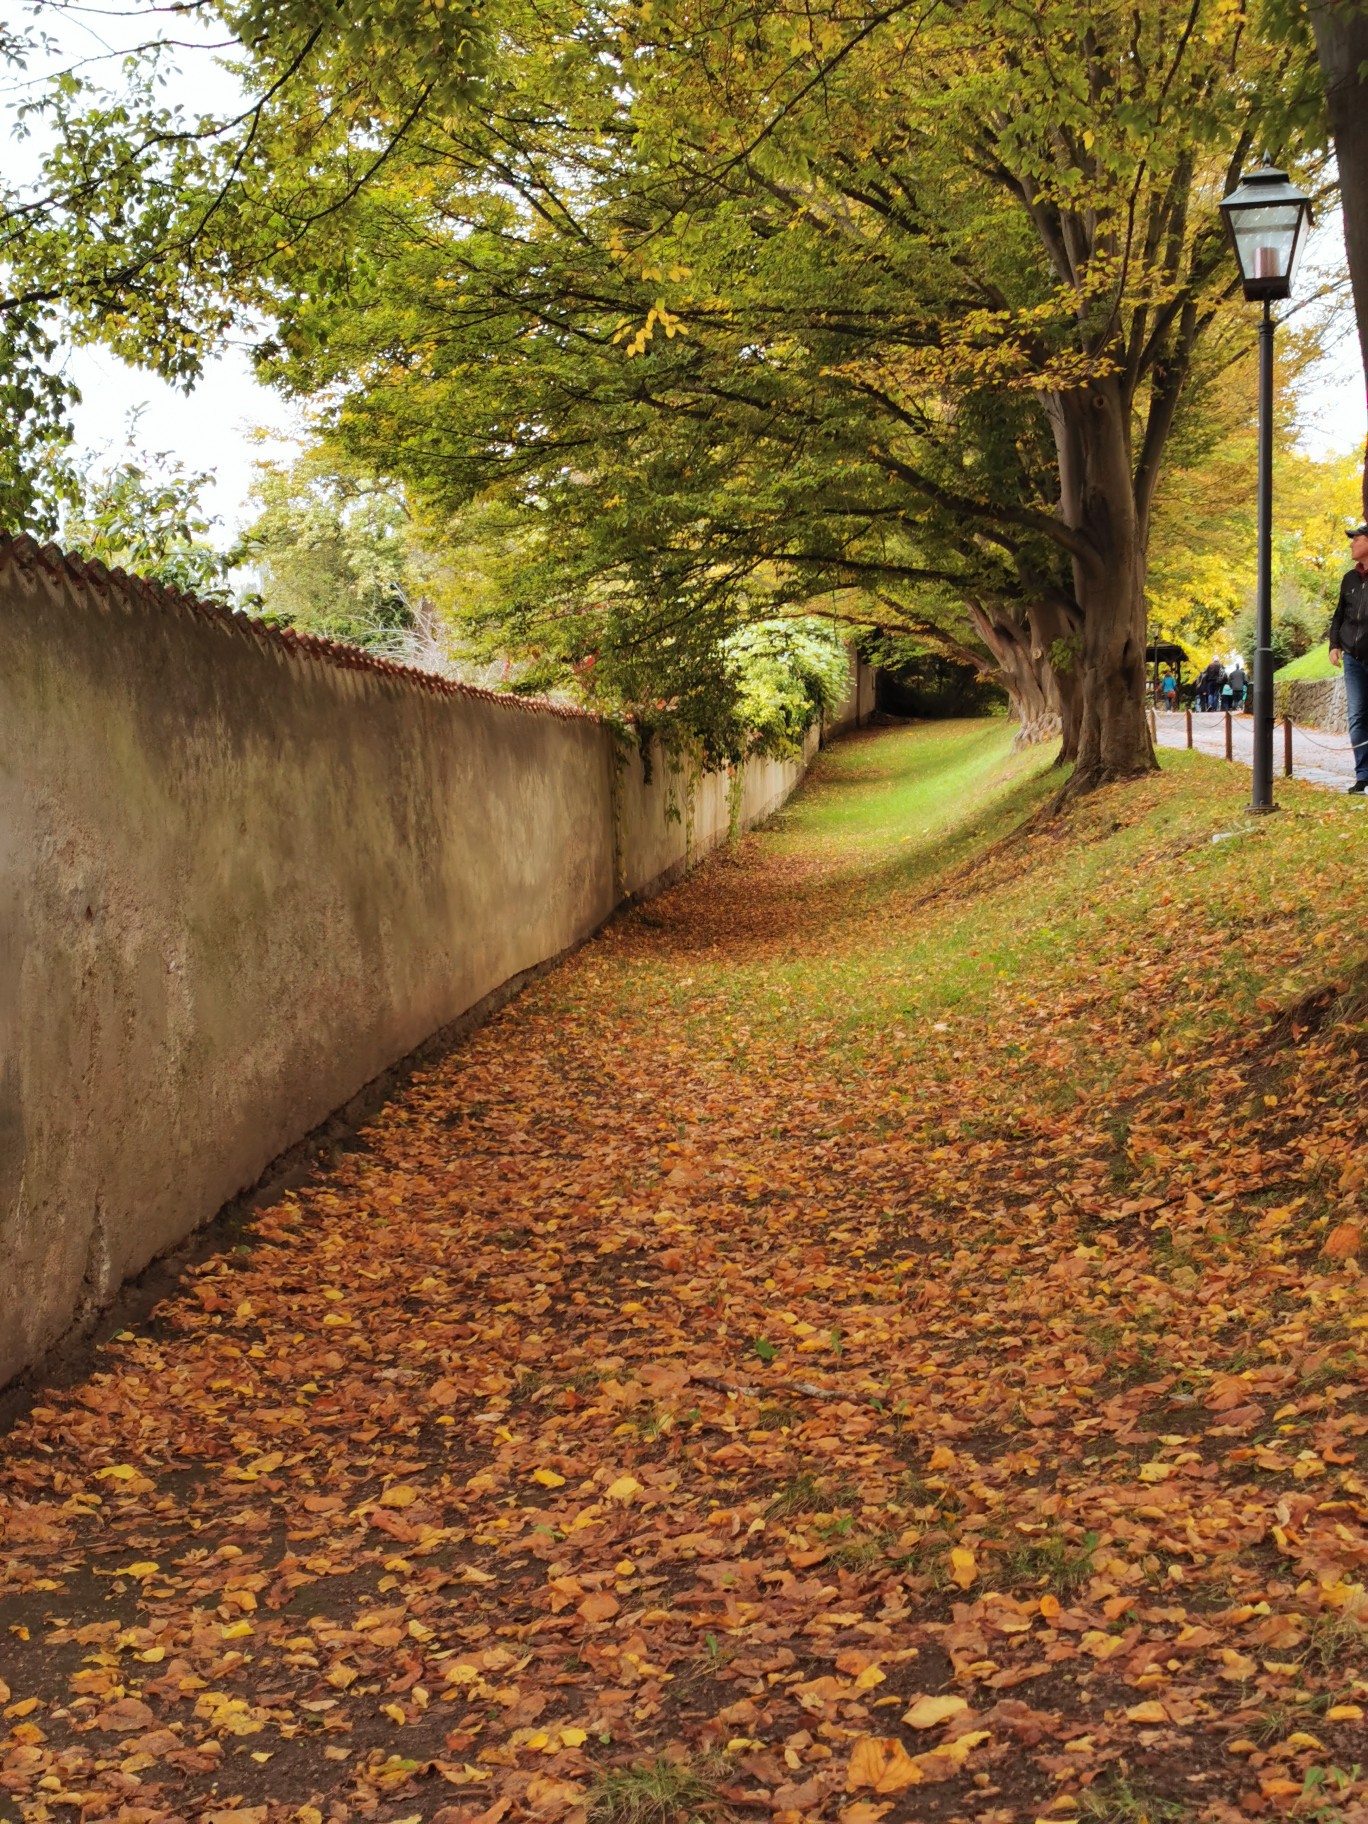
1342 47
1097 500
1037 665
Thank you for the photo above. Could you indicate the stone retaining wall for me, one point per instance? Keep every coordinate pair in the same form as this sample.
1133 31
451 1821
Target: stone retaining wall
1314 703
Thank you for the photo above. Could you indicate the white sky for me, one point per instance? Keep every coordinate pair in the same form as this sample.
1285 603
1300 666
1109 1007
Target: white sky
213 428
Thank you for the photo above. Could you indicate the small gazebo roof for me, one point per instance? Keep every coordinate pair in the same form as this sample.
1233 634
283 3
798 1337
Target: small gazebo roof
1165 652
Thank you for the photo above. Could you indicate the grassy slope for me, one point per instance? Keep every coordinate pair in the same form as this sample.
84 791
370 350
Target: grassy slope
890 1265
1313 665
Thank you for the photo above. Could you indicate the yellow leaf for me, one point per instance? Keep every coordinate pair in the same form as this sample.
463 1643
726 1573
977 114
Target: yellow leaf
929 1712
401 1495
393 1712
963 1566
882 1764
236 1630
942 1458
1151 1712
956 1752
573 1738
548 1478
1344 1713
866 1680
144 1568
118 1472
1049 1607
624 1488
1155 1472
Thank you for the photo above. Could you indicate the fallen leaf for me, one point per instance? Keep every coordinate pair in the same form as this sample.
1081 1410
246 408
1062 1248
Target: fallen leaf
963 1566
881 1763
930 1712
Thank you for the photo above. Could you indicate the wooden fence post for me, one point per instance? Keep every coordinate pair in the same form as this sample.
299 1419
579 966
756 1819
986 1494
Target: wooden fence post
1189 728
1230 738
1287 747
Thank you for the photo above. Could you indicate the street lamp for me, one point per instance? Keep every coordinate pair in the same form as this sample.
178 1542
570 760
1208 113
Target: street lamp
1268 219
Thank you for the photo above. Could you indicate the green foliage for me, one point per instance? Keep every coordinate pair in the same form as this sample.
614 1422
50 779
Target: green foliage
1304 594
729 313
787 674
332 550
1313 665
725 370
146 515
37 479
1204 546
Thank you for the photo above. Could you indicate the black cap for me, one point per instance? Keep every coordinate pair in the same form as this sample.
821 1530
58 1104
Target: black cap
1357 532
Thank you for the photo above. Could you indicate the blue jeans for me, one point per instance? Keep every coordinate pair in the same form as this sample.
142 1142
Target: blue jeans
1356 690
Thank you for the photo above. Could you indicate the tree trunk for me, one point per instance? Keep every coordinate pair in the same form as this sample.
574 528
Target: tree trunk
1044 694
1342 46
1097 499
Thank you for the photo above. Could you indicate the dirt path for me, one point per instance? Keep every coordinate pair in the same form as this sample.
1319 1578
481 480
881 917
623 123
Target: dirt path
823 1336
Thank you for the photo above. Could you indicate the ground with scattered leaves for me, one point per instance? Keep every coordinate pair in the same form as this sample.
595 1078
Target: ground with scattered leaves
876 1335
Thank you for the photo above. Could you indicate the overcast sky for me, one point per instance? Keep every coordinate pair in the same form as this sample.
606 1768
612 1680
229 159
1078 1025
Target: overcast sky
219 427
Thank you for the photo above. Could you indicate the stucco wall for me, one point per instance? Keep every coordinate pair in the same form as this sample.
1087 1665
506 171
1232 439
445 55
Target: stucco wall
240 876
859 703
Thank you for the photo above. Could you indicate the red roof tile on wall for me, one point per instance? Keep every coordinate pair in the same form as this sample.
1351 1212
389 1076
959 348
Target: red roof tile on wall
26 553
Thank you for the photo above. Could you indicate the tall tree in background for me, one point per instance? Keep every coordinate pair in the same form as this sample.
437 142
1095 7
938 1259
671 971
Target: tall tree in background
1341 28
747 308
752 308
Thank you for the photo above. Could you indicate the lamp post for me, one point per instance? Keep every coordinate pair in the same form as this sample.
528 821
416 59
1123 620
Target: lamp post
1267 218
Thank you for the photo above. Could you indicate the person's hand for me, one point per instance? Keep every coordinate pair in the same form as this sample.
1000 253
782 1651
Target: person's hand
1335 655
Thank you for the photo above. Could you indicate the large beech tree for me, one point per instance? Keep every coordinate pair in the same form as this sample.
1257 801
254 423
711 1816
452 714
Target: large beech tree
1341 28
753 304
744 306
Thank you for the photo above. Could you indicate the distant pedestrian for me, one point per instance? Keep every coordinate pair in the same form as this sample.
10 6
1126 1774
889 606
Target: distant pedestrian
1349 647
1169 688
1227 694
1209 685
1238 685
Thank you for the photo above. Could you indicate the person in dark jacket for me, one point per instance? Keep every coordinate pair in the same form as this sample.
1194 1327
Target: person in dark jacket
1349 647
1238 683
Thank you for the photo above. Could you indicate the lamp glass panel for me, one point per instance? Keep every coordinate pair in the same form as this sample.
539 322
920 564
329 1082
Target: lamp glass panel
1266 239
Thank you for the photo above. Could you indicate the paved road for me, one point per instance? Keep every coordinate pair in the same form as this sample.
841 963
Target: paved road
1321 758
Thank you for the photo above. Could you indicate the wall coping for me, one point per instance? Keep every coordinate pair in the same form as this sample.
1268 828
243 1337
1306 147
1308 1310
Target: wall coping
25 553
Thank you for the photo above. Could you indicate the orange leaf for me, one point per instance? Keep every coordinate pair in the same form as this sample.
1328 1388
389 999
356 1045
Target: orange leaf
1343 1241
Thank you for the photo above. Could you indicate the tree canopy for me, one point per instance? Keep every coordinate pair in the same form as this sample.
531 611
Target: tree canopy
892 311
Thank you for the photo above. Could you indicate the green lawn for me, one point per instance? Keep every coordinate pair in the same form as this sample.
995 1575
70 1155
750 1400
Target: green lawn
1312 665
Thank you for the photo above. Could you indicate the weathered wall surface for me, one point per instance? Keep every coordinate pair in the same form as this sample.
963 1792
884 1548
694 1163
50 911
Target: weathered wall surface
240 876
859 702
1314 702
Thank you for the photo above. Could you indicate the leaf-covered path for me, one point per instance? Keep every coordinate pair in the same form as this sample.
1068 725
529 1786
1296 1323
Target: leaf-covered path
880 1328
